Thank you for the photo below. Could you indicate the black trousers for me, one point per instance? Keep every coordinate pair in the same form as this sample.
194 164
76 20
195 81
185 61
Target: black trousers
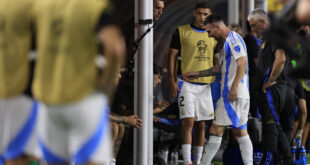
275 116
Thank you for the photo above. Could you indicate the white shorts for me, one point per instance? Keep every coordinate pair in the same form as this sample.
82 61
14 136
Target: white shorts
76 132
195 101
233 114
18 118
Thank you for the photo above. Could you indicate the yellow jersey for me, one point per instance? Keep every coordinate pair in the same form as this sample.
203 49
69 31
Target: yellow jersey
15 45
65 70
197 50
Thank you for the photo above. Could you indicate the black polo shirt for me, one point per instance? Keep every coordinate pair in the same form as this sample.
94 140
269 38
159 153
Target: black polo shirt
266 59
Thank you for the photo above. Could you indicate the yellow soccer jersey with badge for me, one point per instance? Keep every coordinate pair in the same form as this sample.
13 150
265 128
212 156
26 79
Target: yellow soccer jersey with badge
65 69
15 45
197 50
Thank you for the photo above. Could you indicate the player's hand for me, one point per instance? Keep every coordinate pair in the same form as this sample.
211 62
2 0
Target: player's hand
267 85
156 119
298 134
174 89
232 96
162 104
190 76
157 79
134 121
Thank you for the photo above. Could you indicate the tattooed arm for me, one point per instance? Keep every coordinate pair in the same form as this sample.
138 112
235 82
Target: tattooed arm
205 73
132 120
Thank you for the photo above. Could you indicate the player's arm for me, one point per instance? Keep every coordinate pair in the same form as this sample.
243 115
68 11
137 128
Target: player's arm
214 70
113 43
205 73
173 53
277 68
133 120
241 69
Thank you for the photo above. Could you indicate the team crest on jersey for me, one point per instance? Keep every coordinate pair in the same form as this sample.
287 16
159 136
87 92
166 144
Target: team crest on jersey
202 46
212 114
182 111
202 49
237 48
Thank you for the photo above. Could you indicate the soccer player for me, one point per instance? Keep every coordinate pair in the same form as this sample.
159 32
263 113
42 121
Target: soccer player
18 111
271 87
192 49
73 123
233 106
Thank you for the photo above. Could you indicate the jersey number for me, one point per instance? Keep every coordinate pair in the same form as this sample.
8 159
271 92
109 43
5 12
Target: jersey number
181 101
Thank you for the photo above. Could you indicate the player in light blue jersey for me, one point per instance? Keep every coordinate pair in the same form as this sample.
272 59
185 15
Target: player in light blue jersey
233 106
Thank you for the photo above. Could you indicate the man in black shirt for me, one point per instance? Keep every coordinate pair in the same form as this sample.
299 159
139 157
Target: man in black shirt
252 44
271 86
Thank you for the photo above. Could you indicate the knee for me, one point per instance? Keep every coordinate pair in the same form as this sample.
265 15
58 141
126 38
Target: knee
237 133
216 130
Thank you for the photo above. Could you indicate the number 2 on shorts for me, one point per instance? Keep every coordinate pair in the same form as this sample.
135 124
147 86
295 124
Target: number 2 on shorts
181 101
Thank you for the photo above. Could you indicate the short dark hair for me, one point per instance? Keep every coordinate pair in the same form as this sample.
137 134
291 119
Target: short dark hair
213 18
202 4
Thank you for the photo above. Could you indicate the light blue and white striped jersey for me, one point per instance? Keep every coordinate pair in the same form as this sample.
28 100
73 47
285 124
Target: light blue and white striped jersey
234 48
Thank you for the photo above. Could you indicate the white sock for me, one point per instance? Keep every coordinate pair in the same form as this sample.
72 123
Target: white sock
164 155
186 153
112 161
211 148
246 149
197 152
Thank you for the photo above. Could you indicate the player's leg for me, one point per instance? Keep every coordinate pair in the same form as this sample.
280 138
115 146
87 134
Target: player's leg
186 133
115 132
53 135
121 133
245 145
18 120
115 129
242 107
90 139
216 132
213 144
198 141
187 106
204 111
117 141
